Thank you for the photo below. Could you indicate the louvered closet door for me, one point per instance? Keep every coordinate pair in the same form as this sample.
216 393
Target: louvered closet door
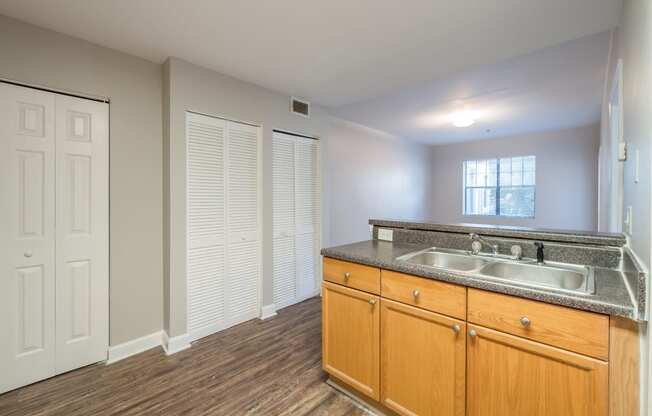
296 196
243 222
307 211
285 284
206 137
223 223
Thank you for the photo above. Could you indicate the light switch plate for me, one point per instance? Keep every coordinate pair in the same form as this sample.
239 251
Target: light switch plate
385 234
628 220
637 165
622 151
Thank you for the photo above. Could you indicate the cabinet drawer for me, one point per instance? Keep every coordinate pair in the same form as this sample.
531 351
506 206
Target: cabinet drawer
352 275
570 329
432 295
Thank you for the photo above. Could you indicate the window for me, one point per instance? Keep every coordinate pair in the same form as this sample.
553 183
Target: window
504 186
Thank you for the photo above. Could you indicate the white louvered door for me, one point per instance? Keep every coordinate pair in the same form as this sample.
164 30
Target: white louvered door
243 223
296 217
284 267
223 192
206 137
307 213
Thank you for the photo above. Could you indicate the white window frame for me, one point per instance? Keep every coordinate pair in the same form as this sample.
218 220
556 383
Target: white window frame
497 214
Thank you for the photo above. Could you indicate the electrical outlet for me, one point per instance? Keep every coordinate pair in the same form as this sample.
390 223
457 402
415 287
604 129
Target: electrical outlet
385 234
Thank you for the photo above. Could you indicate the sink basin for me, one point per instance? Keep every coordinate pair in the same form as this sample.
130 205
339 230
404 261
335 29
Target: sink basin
551 275
446 260
567 277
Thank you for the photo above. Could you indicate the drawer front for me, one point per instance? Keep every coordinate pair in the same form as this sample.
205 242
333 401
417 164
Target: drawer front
353 275
432 295
579 331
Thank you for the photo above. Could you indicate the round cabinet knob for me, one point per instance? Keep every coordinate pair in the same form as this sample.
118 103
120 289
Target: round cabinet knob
525 321
372 302
416 293
456 328
347 275
472 333
28 253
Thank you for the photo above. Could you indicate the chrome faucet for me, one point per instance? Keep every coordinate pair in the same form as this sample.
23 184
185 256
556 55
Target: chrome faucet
477 238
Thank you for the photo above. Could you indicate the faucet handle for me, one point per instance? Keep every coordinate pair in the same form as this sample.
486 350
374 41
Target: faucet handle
476 246
516 251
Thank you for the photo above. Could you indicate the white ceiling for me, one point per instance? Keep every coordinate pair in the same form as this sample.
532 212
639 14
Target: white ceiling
333 52
552 88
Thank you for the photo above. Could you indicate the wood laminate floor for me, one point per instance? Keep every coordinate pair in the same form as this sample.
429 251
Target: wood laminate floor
268 367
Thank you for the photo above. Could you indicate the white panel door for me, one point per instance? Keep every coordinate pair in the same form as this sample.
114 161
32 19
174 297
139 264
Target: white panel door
206 204
243 222
296 206
224 223
27 264
82 235
284 264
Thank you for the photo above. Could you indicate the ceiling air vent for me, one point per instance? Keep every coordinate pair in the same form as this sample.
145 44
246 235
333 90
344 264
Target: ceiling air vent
300 107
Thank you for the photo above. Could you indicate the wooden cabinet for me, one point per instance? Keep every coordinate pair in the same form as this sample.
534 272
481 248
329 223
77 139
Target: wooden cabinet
512 376
352 275
416 355
429 294
423 361
579 331
351 337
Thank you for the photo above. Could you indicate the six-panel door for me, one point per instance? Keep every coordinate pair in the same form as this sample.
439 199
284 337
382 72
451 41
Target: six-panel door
423 361
351 337
54 272
512 376
27 236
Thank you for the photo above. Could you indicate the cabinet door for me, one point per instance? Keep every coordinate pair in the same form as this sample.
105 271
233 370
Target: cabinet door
423 361
351 337
508 375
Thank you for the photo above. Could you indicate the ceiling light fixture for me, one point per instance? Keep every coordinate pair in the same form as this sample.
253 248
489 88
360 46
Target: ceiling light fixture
462 119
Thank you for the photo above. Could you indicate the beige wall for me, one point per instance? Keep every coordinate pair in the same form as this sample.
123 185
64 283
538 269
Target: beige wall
371 174
198 89
38 56
566 178
363 171
632 43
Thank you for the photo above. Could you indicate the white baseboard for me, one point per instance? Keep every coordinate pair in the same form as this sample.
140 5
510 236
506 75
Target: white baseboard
133 347
173 345
267 311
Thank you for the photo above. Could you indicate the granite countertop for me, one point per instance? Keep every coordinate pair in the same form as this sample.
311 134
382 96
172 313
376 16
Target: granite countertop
566 236
611 294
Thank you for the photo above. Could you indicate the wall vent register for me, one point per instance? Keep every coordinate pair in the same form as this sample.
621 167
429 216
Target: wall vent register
300 107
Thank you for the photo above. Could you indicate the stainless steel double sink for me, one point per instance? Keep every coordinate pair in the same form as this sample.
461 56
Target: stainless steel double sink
549 275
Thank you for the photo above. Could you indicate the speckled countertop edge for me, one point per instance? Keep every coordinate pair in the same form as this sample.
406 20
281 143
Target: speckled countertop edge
579 237
611 298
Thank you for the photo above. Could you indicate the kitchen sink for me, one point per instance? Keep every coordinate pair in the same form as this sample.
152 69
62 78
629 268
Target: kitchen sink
550 275
556 276
446 259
